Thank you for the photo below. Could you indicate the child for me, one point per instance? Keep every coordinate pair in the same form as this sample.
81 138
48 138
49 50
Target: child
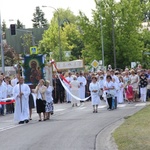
121 89
129 92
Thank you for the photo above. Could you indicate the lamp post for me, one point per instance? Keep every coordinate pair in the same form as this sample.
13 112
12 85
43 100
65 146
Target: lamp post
59 40
101 28
2 51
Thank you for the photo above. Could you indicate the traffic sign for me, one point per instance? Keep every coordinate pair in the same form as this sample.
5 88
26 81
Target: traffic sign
95 64
33 50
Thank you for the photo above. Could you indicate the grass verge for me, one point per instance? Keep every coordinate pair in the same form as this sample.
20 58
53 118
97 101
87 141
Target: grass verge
134 133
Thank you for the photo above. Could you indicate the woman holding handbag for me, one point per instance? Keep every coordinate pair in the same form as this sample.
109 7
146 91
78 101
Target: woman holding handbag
109 90
40 90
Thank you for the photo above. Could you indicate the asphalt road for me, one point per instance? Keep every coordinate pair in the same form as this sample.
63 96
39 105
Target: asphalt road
70 128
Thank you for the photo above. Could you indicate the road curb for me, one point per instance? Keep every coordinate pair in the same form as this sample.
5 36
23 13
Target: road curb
104 140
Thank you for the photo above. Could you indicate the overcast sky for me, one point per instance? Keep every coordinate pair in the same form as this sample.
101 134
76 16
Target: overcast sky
24 9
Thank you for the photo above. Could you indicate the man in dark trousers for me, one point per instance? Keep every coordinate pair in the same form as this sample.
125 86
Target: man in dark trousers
59 92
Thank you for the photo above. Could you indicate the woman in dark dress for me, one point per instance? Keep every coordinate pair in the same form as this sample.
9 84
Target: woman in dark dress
31 105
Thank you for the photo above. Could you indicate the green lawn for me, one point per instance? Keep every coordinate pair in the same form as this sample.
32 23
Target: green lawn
134 133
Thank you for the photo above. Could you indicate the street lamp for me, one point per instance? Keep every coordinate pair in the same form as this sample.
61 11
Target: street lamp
59 40
2 51
101 28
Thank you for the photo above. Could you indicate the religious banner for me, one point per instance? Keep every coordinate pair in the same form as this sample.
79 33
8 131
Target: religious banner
33 68
69 64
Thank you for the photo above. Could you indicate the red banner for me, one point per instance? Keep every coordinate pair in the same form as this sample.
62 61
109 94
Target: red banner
10 102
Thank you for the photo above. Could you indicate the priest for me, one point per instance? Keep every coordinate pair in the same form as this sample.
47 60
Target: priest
21 93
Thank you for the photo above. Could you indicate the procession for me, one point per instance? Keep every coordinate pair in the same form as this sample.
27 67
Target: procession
75 88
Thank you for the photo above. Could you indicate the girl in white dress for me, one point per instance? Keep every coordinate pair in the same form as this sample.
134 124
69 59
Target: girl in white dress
121 90
94 89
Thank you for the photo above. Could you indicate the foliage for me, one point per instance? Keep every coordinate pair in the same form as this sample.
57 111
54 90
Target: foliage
145 37
26 42
9 55
120 23
69 36
19 24
4 26
124 20
39 20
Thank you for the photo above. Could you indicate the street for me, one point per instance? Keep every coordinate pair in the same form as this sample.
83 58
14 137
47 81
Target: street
70 128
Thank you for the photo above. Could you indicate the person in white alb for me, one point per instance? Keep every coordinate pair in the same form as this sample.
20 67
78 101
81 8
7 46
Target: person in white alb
69 79
9 107
21 93
3 95
94 89
75 85
83 82
15 80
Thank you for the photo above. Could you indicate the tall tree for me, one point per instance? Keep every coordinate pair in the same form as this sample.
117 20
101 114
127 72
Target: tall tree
39 20
120 24
63 20
4 29
4 26
19 24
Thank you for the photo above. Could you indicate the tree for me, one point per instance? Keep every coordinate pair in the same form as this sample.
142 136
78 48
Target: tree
69 36
4 29
120 24
26 42
19 24
9 55
4 26
39 21
90 34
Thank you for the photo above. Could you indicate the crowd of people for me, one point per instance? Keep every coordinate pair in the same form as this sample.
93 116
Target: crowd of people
26 98
113 86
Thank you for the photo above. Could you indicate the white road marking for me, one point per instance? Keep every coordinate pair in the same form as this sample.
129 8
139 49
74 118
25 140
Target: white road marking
141 104
57 110
121 105
102 106
82 108
8 127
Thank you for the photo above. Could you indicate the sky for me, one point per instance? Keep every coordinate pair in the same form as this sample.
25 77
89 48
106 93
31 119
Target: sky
11 10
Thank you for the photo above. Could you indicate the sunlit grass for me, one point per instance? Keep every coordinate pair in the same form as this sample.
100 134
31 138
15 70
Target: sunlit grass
134 133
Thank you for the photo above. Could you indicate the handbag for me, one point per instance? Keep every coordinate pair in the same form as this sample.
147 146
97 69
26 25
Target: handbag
108 95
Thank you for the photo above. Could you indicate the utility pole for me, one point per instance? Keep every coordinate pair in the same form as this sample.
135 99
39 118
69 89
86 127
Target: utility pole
2 51
113 40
